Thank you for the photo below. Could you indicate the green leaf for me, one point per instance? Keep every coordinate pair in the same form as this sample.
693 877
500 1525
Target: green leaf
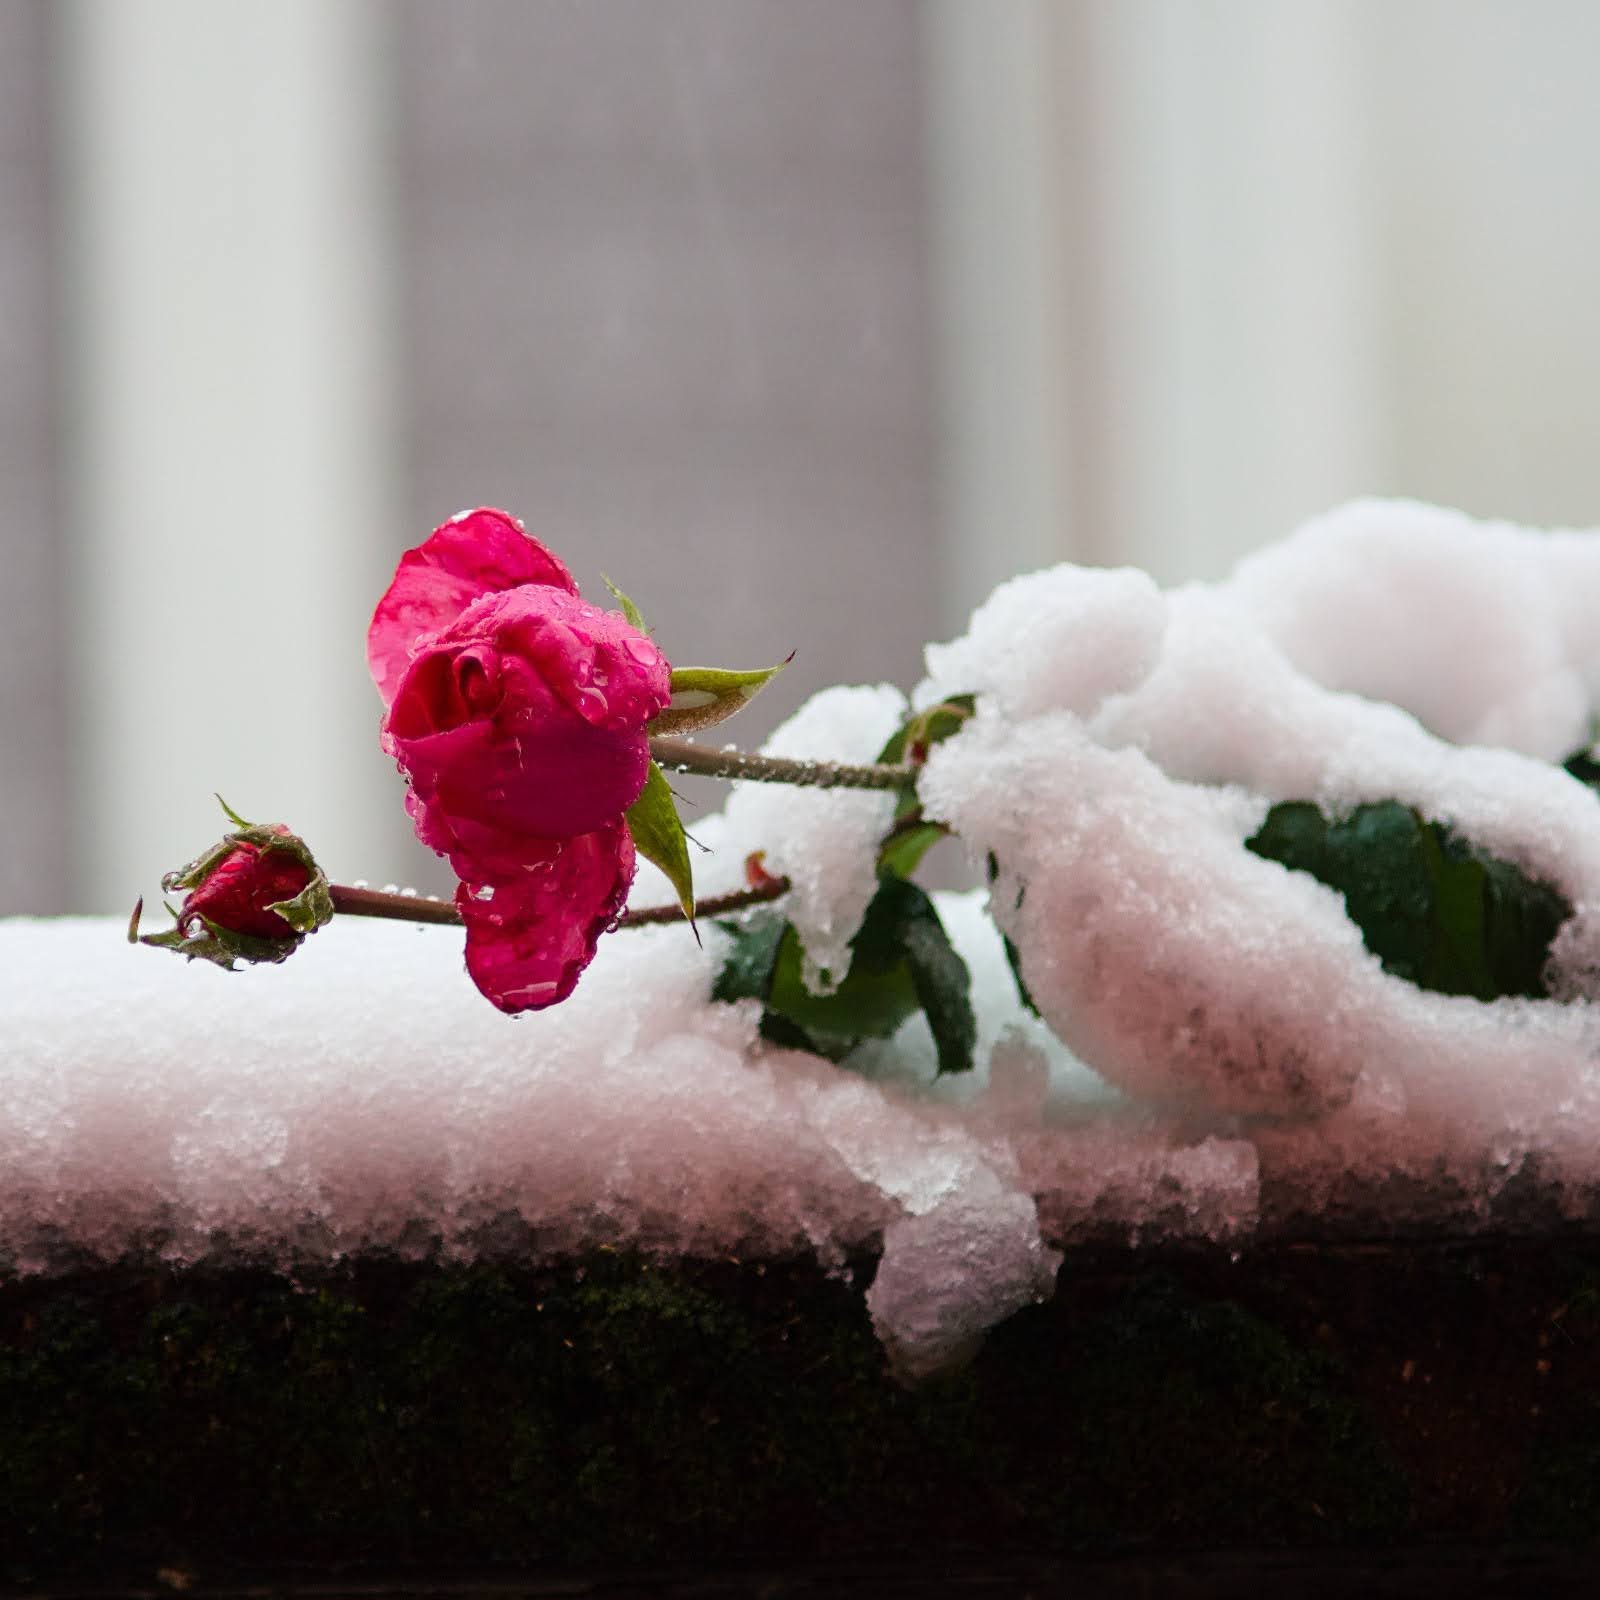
916 736
1584 765
789 1035
876 995
747 973
902 851
1014 961
1434 909
658 835
944 986
901 961
704 696
924 729
629 609
1013 955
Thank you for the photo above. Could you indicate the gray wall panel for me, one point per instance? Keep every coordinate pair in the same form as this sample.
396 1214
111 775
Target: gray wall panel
667 281
34 761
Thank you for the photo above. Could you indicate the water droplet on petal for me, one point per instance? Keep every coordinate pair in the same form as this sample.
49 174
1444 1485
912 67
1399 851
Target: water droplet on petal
530 994
593 704
642 651
601 677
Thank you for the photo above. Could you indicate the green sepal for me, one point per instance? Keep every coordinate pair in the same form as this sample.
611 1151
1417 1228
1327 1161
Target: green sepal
1435 910
901 961
309 909
658 835
221 945
629 609
232 815
198 870
704 696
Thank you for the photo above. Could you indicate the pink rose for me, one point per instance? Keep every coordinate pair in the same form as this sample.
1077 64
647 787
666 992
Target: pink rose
517 712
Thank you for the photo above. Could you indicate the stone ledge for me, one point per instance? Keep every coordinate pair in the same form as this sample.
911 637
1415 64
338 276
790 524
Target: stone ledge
615 1413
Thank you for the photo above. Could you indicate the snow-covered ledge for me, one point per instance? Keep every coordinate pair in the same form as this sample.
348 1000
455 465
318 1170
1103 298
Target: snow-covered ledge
1249 1082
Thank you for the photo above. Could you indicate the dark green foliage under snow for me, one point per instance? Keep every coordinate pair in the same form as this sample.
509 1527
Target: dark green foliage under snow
901 961
1433 909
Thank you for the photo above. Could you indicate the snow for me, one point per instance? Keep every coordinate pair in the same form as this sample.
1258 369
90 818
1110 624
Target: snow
823 840
1219 1057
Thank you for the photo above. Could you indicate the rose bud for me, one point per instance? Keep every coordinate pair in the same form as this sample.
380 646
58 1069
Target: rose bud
253 896
517 712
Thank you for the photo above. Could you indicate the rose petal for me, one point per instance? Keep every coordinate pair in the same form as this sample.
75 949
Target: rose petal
549 777
480 552
603 667
564 750
240 887
528 943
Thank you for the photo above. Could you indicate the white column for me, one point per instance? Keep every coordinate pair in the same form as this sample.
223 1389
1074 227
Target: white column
1155 253
995 72
231 441
1245 388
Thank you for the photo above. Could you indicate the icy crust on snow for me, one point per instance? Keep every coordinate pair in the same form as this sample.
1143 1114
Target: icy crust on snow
362 1096
1218 1055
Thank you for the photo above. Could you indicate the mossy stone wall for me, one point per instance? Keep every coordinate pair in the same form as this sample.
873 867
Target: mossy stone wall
619 1410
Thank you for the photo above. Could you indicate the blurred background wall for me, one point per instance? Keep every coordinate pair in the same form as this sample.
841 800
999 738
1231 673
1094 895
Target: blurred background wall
807 323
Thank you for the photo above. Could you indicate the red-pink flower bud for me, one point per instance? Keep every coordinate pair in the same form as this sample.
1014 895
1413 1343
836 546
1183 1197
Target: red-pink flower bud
253 896
238 892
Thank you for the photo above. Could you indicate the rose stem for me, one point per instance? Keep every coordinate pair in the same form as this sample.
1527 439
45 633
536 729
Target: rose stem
682 755
409 908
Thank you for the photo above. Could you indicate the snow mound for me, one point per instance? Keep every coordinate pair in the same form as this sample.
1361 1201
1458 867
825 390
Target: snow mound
1218 1054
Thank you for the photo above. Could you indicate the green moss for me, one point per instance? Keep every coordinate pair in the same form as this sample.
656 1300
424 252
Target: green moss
623 1410
1173 1417
1561 1493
